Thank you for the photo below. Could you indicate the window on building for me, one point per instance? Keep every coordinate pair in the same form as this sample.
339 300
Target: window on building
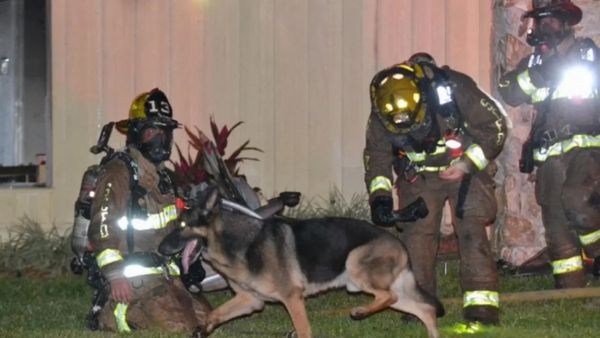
25 119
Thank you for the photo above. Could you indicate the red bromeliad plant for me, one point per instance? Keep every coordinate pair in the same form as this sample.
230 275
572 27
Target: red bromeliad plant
189 171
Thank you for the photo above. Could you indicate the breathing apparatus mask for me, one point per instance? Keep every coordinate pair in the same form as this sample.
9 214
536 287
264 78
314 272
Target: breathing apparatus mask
552 21
153 138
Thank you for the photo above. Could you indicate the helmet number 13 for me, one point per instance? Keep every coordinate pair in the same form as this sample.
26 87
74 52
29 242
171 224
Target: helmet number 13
164 107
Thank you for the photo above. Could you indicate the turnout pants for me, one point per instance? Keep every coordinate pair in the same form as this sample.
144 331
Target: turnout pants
568 191
158 303
475 200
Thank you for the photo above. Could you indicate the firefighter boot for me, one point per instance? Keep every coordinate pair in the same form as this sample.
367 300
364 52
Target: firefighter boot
484 314
575 279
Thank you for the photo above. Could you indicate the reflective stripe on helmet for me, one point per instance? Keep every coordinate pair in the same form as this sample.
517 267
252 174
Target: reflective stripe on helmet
154 221
108 256
121 318
476 155
567 265
481 297
380 183
590 238
136 270
562 147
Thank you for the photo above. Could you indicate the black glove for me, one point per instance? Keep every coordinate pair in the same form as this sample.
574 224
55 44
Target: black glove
194 277
413 212
382 208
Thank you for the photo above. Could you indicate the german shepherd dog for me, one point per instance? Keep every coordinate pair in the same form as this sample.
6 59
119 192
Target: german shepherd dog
284 260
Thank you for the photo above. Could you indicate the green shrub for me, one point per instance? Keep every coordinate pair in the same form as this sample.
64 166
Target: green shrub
336 205
30 250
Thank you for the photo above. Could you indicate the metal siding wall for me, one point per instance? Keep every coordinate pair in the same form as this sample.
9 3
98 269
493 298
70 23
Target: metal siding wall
296 71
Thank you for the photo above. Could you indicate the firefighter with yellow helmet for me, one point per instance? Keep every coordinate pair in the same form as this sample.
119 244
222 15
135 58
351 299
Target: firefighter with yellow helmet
133 210
560 79
439 133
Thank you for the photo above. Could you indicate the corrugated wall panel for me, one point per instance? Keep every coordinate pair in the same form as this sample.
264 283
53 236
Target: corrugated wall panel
291 95
297 72
324 96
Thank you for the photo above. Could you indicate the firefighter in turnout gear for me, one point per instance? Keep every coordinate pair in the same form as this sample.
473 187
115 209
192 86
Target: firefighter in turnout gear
133 210
439 133
560 80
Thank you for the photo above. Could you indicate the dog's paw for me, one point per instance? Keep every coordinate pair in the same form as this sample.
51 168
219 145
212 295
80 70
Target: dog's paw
359 313
291 334
200 333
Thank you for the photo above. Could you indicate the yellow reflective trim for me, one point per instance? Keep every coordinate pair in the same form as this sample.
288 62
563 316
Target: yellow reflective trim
173 269
481 297
136 270
590 238
380 183
567 265
121 318
476 155
562 147
524 81
153 221
420 157
108 256
430 169
467 328
540 95
567 93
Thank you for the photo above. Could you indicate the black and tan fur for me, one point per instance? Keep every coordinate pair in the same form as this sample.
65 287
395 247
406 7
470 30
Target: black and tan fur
285 260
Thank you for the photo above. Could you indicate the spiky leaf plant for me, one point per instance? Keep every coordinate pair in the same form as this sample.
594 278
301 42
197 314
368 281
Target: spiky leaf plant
188 170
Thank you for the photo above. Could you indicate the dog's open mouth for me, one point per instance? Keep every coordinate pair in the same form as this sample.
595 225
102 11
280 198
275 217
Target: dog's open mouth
190 253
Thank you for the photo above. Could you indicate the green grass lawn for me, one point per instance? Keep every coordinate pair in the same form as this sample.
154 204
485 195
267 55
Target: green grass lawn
55 307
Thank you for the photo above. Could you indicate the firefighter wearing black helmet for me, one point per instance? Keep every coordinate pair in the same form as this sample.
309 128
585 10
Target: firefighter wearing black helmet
440 134
560 79
133 210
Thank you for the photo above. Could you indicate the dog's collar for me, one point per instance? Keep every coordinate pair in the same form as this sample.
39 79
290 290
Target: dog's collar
240 208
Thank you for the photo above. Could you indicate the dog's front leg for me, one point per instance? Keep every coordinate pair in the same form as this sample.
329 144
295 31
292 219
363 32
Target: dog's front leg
242 304
297 310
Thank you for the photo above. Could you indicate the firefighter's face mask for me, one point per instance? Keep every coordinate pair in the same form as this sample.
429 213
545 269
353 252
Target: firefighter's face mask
398 102
549 30
155 141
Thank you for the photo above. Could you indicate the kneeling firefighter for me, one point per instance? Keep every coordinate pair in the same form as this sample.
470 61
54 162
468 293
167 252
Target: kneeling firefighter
134 208
440 134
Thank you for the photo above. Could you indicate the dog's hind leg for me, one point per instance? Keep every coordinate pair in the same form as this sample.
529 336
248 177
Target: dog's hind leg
411 299
372 272
294 303
383 300
242 303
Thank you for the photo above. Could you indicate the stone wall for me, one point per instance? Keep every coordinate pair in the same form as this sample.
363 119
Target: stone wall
519 233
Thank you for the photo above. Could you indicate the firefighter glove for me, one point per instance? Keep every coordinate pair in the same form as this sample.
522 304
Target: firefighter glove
382 208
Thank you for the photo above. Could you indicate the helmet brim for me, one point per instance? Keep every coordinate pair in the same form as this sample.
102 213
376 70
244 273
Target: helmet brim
123 125
569 11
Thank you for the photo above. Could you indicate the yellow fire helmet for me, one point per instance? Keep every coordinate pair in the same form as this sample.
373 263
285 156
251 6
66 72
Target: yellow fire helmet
149 105
397 98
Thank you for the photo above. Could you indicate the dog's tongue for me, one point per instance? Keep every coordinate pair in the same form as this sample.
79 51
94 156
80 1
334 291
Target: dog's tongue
188 251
